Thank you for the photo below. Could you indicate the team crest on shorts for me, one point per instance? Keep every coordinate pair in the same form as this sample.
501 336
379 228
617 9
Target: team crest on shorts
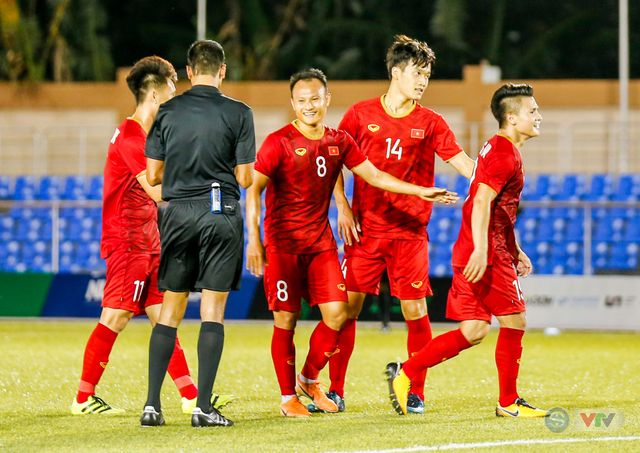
342 287
417 284
300 151
373 127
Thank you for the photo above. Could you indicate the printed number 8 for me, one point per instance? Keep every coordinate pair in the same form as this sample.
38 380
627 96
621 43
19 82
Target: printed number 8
322 166
282 293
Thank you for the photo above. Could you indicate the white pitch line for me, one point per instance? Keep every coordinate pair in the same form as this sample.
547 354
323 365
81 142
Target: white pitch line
503 443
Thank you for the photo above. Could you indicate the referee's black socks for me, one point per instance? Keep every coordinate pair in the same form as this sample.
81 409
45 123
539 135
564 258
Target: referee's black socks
163 341
210 345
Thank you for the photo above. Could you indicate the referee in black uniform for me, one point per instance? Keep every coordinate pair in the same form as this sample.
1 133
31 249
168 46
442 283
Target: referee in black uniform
201 148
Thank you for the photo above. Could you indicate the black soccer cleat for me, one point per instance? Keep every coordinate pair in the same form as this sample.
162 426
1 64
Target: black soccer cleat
200 419
151 417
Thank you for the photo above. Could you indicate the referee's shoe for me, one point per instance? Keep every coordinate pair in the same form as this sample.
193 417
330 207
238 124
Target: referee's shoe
213 418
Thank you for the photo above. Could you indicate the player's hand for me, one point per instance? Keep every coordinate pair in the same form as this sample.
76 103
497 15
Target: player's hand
524 267
348 225
476 266
255 258
438 195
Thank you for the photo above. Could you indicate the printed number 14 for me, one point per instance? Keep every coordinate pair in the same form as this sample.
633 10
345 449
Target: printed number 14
394 148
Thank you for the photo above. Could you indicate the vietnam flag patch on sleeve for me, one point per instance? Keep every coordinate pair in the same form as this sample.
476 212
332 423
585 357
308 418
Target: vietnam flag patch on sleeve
417 133
334 151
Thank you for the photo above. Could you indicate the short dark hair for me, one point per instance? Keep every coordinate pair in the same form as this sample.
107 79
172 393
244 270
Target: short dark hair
205 57
503 99
147 73
405 50
307 74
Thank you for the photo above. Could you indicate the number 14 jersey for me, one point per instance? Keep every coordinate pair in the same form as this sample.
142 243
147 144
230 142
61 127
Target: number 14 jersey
404 146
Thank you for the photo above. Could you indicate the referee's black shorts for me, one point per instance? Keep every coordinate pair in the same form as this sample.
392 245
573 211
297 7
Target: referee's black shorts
200 250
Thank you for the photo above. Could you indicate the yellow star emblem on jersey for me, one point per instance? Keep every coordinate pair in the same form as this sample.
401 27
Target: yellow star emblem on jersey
300 151
373 127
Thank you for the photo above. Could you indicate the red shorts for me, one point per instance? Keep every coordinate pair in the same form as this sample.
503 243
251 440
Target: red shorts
406 262
498 293
315 277
132 281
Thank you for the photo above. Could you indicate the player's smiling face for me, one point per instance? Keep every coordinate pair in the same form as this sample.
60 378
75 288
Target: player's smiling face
527 120
310 100
412 80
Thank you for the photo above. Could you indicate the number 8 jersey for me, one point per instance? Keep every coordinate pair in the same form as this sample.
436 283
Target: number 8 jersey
404 146
302 173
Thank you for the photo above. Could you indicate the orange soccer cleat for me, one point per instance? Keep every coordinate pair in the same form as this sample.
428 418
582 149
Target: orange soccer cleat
294 408
316 394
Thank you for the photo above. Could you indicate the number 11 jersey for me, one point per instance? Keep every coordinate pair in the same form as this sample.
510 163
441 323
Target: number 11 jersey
404 146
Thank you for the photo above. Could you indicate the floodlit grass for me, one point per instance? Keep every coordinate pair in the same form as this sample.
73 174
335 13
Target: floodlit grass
41 361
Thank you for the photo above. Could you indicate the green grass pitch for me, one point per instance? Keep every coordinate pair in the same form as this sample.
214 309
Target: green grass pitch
581 372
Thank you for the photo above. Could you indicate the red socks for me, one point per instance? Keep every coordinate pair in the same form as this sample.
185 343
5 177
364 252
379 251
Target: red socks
283 353
96 358
441 348
179 372
322 345
419 334
508 353
339 362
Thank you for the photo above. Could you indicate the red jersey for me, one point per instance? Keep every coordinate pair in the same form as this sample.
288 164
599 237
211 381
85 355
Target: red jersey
404 147
129 216
302 173
499 166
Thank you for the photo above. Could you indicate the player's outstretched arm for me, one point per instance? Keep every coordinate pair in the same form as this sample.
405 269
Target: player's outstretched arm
382 180
463 164
255 250
348 226
480 215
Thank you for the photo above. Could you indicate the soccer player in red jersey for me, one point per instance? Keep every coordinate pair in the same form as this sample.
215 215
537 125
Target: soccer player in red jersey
487 260
299 165
130 240
401 137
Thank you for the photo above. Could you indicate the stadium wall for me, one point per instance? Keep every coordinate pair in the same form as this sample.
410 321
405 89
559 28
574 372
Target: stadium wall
43 126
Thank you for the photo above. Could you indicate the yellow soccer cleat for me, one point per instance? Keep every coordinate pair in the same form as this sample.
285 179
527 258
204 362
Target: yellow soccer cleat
218 402
399 386
94 405
520 408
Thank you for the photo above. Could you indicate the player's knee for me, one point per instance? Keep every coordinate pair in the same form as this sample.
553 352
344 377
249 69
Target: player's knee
475 332
115 320
336 319
414 309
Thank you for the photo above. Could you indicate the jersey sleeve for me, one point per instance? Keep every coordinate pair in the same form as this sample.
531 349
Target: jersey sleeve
155 146
268 156
246 144
132 154
495 169
444 140
352 154
349 122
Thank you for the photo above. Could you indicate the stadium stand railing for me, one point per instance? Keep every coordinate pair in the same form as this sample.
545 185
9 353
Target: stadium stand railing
569 224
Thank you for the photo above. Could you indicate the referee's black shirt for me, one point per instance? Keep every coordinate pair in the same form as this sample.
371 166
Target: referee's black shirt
201 135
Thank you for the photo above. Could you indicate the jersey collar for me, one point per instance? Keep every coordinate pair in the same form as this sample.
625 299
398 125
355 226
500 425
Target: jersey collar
395 115
294 123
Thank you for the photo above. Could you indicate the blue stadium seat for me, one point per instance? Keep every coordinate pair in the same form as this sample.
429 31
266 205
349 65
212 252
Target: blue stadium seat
6 187
628 188
573 187
75 188
95 188
601 188
50 188
25 188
